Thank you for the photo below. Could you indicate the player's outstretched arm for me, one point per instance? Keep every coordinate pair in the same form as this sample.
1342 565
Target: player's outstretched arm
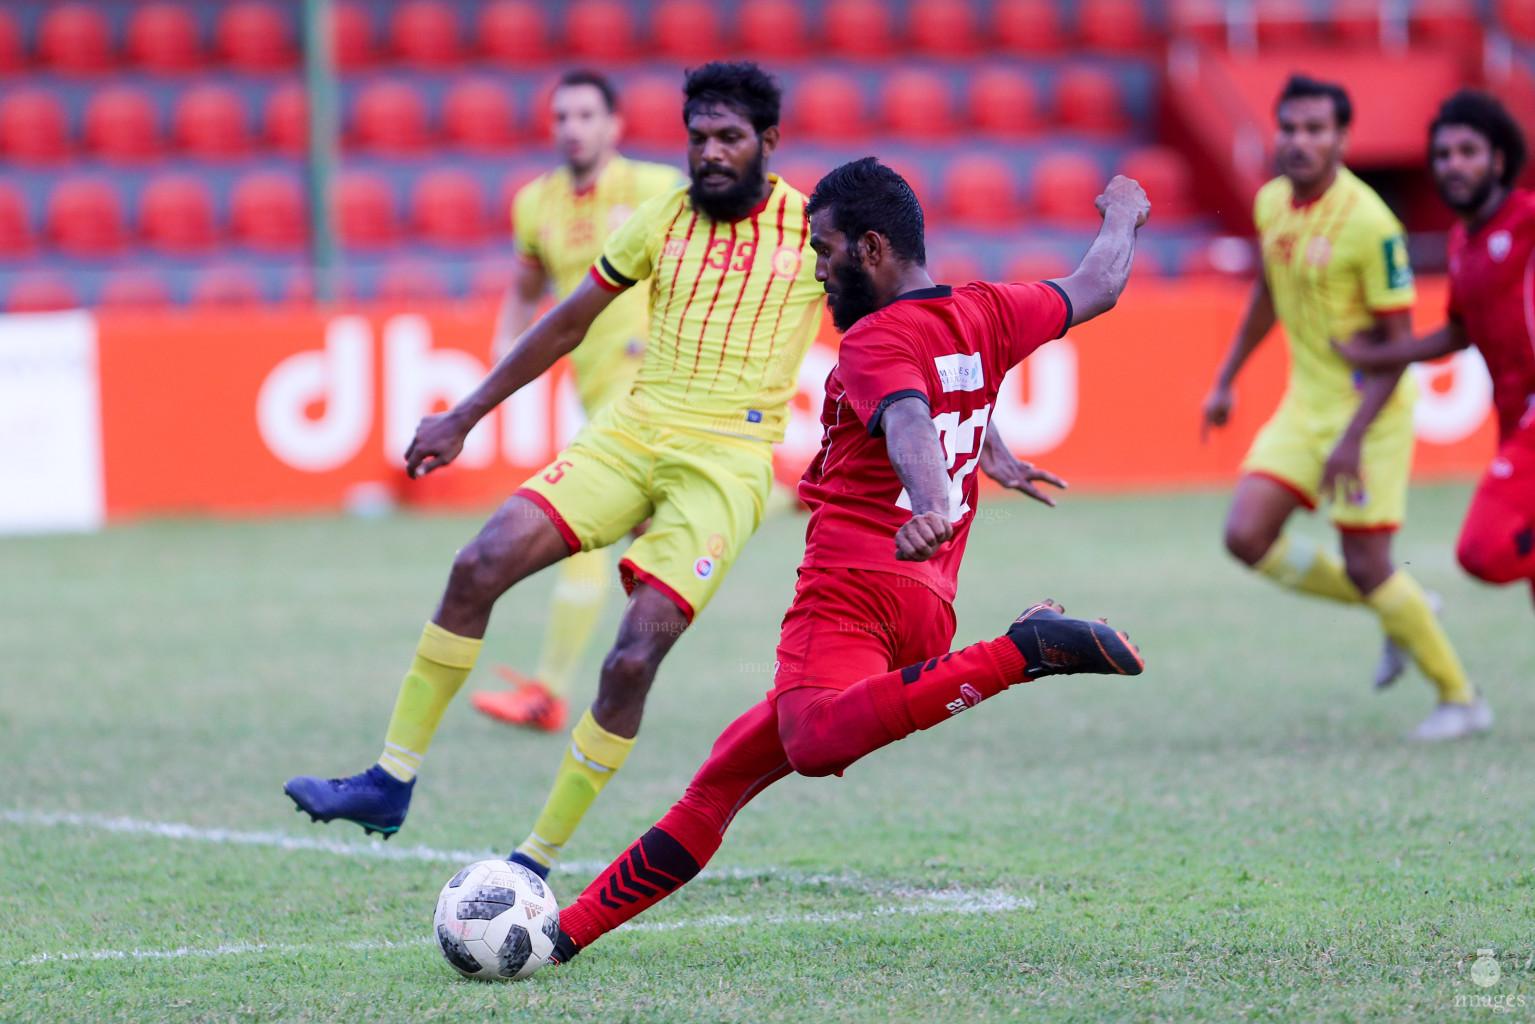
1343 465
1095 286
912 442
440 438
998 462
1257 322
1367 352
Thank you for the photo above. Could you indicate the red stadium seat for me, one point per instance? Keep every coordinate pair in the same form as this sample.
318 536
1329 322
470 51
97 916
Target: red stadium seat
390 117
424 33
1065 187
954 265
1283 23
1114 26
134 289
1458 22
1003 103
85 217
411 283
120 125
653 112
176 214
162 37
448 208
267 212
514 31
74 38
1087 100
802 174
599 29
255 35
285 123
490 280
353 36
12 53
772 28
685 29
916 105
1028 26
1025 267
1357 22
858 28
1167 179
41 293
211 123
980 192
1200 20
829 106
1518 16
32 127
226 288
365 215
15 226
945 28
477 114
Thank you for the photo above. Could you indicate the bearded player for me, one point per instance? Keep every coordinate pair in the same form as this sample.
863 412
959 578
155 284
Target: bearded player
1476 152
560 221
734 304
1335 269
892 495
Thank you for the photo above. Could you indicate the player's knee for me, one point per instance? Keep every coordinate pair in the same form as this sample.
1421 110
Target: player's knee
813 759
809 741
1247 544
478 575
1480 559
629 668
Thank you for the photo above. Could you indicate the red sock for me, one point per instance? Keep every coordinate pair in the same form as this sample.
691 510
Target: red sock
747 758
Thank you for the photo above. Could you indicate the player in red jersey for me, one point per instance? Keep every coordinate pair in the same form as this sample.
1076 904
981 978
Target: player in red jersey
864 659
1476 152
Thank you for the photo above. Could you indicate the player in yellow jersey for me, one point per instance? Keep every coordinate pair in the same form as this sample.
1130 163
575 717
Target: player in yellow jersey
1336 269
560 221
734 305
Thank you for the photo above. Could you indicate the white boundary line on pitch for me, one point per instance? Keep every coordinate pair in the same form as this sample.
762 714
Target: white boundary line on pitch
927 903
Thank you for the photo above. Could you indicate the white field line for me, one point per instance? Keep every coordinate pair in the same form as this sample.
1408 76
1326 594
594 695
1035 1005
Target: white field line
911 901
925 903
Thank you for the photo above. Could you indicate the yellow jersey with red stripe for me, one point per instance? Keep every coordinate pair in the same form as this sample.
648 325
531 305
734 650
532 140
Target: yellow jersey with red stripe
562 229
1332 266
734 305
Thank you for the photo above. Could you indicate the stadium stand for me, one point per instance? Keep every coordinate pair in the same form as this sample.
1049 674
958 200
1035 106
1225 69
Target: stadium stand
1003 113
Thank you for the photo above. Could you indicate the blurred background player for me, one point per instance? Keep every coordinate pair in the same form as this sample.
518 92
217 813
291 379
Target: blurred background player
560 221
892 496
688 447
1336 269
1476 152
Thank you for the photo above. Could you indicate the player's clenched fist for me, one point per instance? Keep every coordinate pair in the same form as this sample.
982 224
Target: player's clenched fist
438 441
1125 193
922 536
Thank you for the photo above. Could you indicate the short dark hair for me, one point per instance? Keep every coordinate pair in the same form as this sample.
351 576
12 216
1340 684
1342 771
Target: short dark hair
1301 87
1491 120
865 195
740 85
595 79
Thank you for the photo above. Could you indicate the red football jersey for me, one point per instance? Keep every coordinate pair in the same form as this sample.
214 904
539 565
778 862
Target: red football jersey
950 346
1492 292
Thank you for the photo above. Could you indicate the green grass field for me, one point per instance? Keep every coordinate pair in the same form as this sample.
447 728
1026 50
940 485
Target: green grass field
1239 833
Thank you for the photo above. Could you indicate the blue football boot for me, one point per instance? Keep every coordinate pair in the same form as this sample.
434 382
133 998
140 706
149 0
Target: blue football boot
375 799
518 857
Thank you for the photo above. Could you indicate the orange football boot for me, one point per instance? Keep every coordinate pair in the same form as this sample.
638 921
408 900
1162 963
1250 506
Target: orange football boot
529 703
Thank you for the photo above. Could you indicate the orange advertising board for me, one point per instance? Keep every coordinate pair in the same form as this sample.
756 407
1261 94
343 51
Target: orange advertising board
295 410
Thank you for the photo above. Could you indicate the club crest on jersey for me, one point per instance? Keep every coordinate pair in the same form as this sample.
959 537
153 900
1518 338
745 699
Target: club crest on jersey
1499 244
674 248
717 545
703 568
1319 251
786 262
960 372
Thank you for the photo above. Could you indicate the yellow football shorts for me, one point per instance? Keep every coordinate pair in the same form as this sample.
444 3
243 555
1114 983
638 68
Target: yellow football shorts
1293 447
703 493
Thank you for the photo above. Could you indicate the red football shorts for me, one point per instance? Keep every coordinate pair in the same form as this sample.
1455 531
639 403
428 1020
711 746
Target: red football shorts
849 624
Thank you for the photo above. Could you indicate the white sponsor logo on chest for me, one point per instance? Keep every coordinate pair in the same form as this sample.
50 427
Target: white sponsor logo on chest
960 372
1498 245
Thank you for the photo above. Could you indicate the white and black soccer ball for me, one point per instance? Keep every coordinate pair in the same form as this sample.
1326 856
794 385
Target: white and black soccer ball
496 920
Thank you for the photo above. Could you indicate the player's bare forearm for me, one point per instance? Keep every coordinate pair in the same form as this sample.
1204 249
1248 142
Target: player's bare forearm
998 462
1378 385
1257 322
917 454
519 307
1095 286
1367 353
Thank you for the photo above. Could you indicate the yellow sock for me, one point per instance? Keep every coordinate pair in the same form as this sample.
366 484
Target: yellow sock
443 661
1409 619
584 582
591 759
1299 564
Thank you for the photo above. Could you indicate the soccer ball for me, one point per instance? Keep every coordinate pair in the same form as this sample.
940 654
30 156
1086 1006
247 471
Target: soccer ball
496 919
